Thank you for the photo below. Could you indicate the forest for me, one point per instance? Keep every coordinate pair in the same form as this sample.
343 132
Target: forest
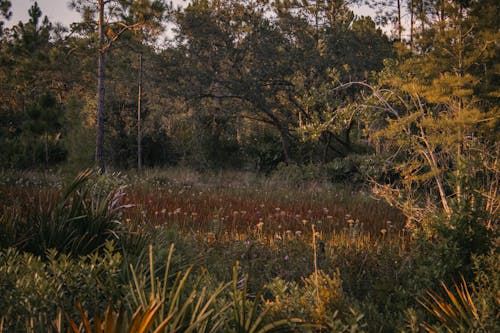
251 166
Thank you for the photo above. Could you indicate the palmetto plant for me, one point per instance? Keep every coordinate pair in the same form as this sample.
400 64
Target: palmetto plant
184 306
457 313
142 321
78 221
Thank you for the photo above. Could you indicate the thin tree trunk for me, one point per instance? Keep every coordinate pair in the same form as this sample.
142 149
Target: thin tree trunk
99 153
400 25
46 149
139 134
412 23
422 16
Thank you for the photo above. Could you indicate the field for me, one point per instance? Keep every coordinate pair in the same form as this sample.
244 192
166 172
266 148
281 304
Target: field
238 253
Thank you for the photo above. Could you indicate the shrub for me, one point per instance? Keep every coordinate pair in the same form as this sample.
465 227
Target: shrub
319 299
77 221
33 291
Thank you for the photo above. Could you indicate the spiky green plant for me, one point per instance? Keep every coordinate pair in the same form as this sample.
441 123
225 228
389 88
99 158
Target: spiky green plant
77 221
186 307
142 321
457 313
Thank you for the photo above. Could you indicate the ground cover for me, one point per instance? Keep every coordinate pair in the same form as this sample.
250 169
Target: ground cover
304 257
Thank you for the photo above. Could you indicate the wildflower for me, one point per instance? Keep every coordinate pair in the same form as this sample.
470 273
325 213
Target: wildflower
287 257
260 225
210 237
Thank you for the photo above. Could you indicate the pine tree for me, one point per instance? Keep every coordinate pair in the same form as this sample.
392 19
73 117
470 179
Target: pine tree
114 18
443 116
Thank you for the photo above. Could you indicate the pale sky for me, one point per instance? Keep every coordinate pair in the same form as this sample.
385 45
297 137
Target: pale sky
58 11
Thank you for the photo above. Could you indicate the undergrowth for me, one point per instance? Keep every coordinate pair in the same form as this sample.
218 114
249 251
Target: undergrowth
248 258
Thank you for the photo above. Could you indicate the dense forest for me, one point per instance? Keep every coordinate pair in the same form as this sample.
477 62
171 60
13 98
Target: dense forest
403 104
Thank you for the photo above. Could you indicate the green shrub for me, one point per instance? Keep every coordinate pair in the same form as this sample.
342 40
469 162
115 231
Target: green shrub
319 300
34 291
486 289
466 231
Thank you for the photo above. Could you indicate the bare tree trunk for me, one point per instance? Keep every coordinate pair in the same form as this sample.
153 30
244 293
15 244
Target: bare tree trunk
99 153
400 25
46 149
139 134
412 23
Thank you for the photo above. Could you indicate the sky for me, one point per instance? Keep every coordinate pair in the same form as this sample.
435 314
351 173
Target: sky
58 11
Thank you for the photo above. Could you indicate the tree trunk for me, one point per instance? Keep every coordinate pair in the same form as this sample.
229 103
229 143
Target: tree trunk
412 23
46 149
99 153
400 25
139 134
285 143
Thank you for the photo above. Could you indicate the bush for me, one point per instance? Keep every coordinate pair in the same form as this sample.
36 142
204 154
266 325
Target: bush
77 221
33 291
319 299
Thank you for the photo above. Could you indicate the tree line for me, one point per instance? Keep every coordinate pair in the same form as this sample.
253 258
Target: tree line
258 84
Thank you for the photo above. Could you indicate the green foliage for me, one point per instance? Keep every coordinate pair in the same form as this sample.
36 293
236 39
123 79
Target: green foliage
299 175
184 305
77 221
486 286
33 290
467 231
318 299
249 316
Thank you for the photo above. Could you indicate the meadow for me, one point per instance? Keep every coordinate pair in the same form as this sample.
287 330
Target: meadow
181 251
